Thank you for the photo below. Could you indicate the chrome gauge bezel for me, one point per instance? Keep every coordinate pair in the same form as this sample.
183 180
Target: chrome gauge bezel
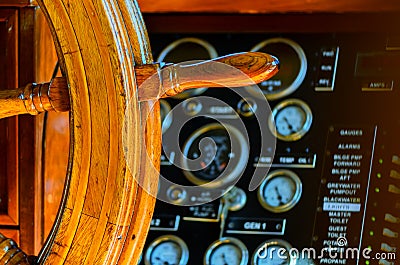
287 206
299 133
241 157
206 45
165 238
302 71
225 241
274 242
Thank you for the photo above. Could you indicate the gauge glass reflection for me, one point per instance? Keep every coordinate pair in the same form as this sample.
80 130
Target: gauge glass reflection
290 120
209 151
280 191
167 250
226 250
293 67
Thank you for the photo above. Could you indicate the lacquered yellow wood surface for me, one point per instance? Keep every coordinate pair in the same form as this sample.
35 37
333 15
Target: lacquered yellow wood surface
105 215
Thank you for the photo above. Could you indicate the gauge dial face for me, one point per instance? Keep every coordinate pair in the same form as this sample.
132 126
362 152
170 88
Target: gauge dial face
167 252
290 120
273 252
214 147
209 151
293 67
280 191
167 249
226 250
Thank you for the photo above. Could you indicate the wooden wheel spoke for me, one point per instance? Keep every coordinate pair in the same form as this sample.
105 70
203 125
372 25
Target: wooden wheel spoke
153 82
35 98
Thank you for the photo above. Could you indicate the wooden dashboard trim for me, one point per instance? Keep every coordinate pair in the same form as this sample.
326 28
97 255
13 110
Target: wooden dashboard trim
268 6
278 23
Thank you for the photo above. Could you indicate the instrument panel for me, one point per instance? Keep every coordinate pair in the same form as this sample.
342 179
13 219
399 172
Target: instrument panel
306 161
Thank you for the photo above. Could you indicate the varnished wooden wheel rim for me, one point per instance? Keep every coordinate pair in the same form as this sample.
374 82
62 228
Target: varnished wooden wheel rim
104 216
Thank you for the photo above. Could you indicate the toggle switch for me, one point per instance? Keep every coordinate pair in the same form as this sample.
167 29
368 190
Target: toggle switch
392 219
394 174
389 233
393 189
387 248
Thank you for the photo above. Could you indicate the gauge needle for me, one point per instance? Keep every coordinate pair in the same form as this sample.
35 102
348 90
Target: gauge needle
289 125
224 260
163 262
279 195
222 166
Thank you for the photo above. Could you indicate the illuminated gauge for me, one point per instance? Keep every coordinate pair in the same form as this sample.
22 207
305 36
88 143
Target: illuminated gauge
166 115
290 120
188 49
293 67
274 252
209 150
227 250
167 249
280 191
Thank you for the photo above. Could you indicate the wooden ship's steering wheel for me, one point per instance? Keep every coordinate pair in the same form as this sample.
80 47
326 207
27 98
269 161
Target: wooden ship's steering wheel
104 53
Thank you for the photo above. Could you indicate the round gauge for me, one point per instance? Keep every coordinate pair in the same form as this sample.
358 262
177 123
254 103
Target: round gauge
227 250
290 120
280 191
293 67
166 115
187 49
246 107
167 249
274 252
209 151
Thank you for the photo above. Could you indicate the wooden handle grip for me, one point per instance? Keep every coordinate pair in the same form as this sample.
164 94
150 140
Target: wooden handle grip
236 70
255 66
35 98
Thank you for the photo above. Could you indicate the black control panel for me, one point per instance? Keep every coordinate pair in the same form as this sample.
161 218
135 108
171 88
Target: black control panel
302 169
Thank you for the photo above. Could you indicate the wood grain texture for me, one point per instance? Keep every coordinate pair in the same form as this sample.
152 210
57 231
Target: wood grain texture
268 6
9 180
13 3
10 233
55 163
104 208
